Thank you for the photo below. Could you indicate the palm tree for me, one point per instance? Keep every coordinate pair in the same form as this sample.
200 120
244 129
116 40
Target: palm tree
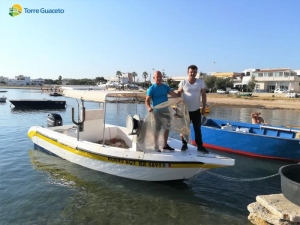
164 76
118 75
145 75
134 74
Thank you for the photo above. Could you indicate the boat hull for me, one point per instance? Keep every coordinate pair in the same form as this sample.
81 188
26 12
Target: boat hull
38 104
251 144
124 168
139 166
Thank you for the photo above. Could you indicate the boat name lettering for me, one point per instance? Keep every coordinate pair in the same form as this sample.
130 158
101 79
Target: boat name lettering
154 164
116 160
138 163
142 164
122 161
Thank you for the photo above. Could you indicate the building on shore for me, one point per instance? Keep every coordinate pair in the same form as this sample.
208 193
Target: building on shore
271 79
38 81
19 80
4 80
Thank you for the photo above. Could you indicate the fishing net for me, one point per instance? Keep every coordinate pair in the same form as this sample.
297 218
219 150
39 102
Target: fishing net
172 115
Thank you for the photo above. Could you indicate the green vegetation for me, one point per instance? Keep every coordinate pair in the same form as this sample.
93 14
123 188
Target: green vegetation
215 83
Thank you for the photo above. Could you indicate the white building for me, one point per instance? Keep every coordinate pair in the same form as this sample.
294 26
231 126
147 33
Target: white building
270 79
38 81
199 75
19 80
4 80
125 78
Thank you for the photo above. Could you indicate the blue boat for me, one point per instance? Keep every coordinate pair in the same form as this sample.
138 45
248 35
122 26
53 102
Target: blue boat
264 141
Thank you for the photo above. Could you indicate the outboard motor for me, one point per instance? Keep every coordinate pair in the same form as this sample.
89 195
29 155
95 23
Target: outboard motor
54 120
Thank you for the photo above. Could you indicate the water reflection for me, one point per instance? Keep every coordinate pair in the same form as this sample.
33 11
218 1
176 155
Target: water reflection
104 199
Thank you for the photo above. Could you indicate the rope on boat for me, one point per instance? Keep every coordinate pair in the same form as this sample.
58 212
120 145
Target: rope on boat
241 179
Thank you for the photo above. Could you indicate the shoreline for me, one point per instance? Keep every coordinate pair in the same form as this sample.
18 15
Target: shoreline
265 101
259 101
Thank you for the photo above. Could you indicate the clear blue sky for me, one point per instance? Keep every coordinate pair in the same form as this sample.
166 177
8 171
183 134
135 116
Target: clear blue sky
97 38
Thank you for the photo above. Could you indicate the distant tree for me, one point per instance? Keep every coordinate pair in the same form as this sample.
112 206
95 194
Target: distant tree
251 84
145 75
222 83
164 76
210 82
228 83
100 79
49 81
134 74
118 75
59 80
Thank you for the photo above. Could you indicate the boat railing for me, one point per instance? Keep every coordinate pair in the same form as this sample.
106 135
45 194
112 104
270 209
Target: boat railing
279 128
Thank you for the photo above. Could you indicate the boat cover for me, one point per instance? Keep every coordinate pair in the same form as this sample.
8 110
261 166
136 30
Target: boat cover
101 96
172 115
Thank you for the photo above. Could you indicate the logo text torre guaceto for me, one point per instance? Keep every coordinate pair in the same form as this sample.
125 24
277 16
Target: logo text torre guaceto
43 10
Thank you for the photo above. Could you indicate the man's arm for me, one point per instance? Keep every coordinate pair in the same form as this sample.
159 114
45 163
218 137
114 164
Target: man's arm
179 91
147 103
173 94
203 92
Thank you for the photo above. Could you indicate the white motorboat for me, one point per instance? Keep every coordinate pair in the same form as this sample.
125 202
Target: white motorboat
3 99
89 144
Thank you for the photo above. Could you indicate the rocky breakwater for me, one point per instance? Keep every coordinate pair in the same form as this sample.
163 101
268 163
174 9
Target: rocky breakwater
273 209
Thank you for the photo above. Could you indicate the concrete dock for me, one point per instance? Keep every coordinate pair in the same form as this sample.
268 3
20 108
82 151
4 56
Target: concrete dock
273 209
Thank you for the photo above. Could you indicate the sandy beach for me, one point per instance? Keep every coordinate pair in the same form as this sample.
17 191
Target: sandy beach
279 101
260 101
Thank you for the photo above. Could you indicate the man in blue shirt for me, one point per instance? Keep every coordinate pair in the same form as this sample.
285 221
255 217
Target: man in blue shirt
158 93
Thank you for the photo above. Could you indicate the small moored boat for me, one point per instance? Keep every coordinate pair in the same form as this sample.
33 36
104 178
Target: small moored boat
207 109
117 150
256 140
55 94
38 104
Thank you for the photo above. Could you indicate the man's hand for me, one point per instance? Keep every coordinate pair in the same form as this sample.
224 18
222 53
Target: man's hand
150 109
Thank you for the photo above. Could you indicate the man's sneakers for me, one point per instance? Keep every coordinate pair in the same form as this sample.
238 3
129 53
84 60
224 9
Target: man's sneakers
184 147
184 144
156 148
167 147
202 150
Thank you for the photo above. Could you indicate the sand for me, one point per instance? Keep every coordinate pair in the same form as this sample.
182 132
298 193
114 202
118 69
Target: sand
262 101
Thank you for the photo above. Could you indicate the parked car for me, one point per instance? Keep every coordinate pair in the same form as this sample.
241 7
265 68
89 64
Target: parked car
278 90
259 91
220 91
233 91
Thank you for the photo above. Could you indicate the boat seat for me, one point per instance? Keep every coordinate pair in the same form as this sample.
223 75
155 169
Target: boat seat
257 131
286 134
273 133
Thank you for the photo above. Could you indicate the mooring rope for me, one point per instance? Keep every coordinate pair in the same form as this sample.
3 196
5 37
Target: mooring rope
241 179
232 178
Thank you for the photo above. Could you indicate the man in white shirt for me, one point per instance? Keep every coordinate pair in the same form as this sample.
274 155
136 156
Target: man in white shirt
193 89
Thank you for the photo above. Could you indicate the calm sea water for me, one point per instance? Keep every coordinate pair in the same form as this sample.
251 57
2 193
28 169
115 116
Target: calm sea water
36 188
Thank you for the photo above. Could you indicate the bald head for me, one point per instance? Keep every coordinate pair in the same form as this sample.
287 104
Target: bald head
157 76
